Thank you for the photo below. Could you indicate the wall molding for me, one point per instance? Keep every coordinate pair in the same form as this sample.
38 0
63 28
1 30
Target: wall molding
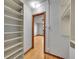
53 55
28 50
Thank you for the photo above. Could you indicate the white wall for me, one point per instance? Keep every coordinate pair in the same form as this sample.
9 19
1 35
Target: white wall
27 27
35 29
39 19
40 29
57 44
72 53
38 25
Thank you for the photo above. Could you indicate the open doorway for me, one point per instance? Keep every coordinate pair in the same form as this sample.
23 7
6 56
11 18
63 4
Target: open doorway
38 29
38 37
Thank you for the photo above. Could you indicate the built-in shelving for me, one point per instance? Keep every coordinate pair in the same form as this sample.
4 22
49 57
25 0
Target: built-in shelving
13 18
13 46
66 21
13 53
13 32
13 4
12 39
10 10
13 25
21 53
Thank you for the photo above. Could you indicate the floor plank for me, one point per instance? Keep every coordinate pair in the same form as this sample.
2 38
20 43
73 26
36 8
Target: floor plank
38 51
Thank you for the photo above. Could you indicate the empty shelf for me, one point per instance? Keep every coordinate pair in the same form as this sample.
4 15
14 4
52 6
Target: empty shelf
18 55
13 53
12 39
11 10
13 46
13 4
13 18
13 32
12 25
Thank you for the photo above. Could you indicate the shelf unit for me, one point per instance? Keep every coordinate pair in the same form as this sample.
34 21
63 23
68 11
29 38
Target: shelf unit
12 39
12 25
18 55
6 49
13 18
13 4
13 53
66 21
13 32
13 14
10 10
65 18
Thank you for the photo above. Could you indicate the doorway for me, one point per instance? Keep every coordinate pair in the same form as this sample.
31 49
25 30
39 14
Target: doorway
42 34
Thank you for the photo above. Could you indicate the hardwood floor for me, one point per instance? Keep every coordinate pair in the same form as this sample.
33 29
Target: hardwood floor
38 51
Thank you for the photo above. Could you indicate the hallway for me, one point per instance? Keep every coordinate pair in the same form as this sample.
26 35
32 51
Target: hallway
38 51
39 29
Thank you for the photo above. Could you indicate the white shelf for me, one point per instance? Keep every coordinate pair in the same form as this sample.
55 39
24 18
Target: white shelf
12 15
13 18
12 39
13 53
13 32
13 46
18 55
13 4
13 25
11 10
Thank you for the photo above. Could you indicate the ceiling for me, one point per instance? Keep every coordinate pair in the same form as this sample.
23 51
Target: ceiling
35 0
28 1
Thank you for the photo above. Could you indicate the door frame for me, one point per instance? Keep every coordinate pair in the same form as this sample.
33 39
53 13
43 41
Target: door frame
43 13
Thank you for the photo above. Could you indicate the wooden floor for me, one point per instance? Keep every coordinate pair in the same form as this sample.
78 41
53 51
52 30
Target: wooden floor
38 51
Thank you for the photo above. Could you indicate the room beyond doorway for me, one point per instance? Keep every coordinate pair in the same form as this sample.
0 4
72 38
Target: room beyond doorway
41 19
